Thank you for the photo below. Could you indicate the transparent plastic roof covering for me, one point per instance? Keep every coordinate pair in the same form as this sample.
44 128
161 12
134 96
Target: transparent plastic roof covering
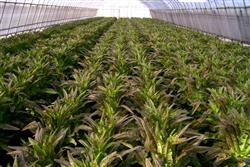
151 4
193 4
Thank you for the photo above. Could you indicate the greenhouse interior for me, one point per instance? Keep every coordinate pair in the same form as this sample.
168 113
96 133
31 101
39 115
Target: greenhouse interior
125 83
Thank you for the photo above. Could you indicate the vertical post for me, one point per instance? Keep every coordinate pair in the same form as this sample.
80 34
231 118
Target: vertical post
216 7
190 22
11 17
177 15
175 9
210 8
69 11
61 11
28 15
244 3
34 16
77 11
181 9
79 16
235 10
185 14
171 13
225 7
74 10
59 8
21 14
245 8
39 14
48 15
66 12
44 14
54 12
209 3
2 13
200 7
198 25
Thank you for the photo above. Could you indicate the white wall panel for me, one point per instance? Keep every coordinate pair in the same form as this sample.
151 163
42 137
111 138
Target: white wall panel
125 8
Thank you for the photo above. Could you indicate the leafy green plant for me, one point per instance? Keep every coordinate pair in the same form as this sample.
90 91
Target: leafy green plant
109 92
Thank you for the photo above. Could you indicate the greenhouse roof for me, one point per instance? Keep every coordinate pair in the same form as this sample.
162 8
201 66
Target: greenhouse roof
151 4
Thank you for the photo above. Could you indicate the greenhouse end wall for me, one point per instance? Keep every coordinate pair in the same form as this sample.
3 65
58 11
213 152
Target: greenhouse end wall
229 23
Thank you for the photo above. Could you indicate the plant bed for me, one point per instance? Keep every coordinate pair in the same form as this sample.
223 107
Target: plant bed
126 92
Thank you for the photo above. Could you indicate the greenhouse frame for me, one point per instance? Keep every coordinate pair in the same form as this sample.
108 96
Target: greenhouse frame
125 83
227 18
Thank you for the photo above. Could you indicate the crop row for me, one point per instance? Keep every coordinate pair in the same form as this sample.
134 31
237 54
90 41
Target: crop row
29 78
126 92
25 41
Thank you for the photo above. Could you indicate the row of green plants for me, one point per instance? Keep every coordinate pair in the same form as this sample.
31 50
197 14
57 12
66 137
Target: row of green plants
46 46
127 92
21 42
202 77
33 77
45 64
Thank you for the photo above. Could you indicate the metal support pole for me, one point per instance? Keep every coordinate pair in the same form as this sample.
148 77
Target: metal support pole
245 7
54 9
49 16
28 13
39 14
66 12
12 15
44 14
61 11
79 16
216 7
59 8
210 6
74 9
69 11
21 14
235 10
225 7
2 14
33 19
